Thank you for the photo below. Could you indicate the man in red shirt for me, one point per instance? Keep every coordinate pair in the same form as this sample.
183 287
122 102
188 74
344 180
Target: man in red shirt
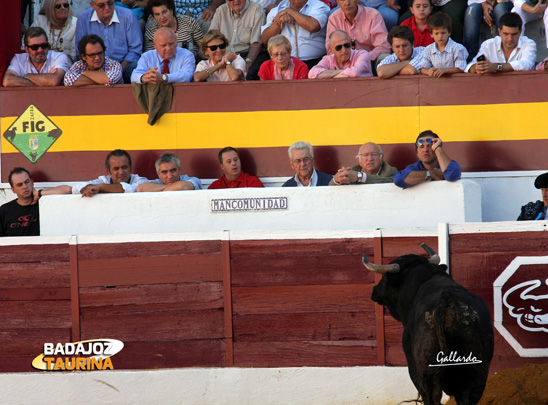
233 177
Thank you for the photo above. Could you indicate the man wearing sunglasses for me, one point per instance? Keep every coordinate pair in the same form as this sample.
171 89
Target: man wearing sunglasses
38 66
343 61
371 168
433 163
119 29
94 67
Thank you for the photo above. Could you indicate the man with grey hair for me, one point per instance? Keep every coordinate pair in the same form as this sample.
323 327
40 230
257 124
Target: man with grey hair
168 167
301 159
371 168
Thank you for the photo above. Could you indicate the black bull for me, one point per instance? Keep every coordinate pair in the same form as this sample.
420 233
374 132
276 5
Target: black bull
445 326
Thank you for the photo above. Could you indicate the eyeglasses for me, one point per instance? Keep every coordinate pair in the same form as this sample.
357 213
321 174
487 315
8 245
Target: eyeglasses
109 3
65 5
43 45
279 55
339 47
421 143
373 155
94 55
213 48
305 160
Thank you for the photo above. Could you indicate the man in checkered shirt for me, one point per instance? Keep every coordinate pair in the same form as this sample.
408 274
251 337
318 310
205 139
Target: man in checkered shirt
406 59
94 67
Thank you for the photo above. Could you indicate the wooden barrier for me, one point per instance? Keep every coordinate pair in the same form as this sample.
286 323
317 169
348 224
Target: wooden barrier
233 299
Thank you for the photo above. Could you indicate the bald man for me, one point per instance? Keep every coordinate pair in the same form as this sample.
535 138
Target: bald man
371 168
342 60
165 63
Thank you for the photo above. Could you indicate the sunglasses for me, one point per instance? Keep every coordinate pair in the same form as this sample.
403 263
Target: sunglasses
44 46
95 55
65 5
421 143
103 5
213 48
339 47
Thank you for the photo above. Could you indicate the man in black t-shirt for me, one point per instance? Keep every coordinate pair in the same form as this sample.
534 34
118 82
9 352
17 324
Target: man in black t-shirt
20 217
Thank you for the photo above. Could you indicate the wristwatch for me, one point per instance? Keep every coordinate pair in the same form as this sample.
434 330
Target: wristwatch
499 67
228 62
248 60
164 78
428 177
360 177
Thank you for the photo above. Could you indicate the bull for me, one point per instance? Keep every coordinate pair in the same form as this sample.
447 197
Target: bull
448 334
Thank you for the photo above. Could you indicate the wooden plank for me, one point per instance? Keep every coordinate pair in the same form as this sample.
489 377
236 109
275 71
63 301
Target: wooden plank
17 364
35 275
395 356
273 269
75 291
325 247
35 314
170 354
30 341
299 299
155 297
172 325
34 253
34 294
304 354
227 290
536 243
150 270
396 247
144 249
379 310
343 326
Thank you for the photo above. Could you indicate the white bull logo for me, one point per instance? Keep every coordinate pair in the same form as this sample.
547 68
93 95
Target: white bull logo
531 311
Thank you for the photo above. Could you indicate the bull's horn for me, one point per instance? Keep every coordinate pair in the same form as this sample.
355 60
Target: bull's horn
434 258
380 268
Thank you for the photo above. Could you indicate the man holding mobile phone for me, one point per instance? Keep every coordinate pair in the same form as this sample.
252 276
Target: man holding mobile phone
507 52
433 163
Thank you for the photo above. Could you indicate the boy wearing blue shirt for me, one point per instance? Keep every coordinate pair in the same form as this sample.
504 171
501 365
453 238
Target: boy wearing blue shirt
444 56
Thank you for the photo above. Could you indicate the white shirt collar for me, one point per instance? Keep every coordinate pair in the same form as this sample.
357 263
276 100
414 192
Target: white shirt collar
313 180
114 19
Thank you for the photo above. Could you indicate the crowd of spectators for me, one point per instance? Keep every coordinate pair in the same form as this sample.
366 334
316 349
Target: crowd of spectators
205 40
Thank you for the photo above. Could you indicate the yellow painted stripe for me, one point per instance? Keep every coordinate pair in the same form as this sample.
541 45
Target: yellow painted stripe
387 125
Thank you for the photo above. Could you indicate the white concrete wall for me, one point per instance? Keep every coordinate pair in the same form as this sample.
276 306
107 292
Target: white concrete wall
295 386
341 208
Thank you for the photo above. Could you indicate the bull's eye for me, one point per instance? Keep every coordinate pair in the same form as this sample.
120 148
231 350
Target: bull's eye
535 309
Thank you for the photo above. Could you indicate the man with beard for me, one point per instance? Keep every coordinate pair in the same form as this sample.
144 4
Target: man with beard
38 66
94 68
433 163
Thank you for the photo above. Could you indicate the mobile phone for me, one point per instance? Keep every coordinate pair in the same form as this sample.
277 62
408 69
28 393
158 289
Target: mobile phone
481 58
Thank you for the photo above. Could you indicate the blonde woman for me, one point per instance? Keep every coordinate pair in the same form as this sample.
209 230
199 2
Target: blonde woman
55 17
282 66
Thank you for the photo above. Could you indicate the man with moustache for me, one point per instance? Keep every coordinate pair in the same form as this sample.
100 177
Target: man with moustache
38 66
433 163
94 67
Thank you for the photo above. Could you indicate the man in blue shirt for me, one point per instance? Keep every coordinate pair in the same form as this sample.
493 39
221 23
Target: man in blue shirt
433 163
168 168
166 63
119 29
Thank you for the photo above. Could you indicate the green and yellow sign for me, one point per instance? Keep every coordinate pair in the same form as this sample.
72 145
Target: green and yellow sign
32 133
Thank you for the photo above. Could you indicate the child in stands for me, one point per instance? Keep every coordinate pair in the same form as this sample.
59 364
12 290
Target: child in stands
418 23
444 56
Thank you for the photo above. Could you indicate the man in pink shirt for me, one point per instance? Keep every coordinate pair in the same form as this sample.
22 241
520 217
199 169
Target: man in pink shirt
342 61
364 25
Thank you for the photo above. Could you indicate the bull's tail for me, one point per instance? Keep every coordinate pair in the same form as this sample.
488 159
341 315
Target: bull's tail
441 314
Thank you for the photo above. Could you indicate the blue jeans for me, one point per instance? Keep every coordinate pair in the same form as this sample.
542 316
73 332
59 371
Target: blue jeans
473 18
389 15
